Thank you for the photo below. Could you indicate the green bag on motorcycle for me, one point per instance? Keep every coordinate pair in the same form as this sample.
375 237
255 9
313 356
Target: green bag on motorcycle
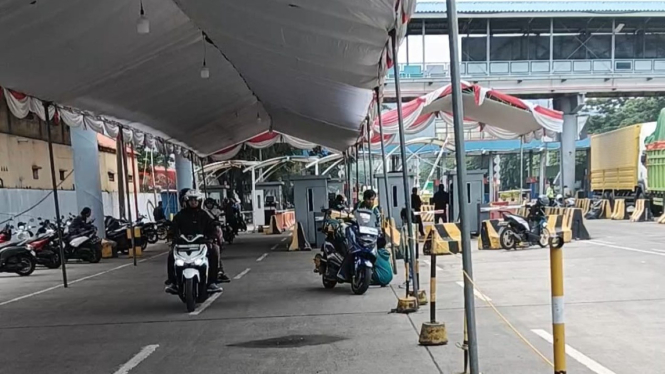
383 272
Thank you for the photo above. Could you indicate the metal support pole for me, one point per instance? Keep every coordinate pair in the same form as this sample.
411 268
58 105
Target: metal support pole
357 175
369 156
205 182
58 221
122 206
402 149
521 168
558 320
193 173
152 171
134 176
490 177
347 172
129 211
432 290
385 177
458 117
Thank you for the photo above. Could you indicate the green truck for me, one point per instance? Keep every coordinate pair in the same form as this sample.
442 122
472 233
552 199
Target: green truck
655 160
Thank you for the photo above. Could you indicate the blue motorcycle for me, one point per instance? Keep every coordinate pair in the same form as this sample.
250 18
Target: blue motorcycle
353 261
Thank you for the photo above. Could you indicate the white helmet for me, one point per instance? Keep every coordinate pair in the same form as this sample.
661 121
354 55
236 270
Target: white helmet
193 194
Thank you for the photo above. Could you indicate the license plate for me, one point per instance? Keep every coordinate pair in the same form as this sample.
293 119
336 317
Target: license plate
368 230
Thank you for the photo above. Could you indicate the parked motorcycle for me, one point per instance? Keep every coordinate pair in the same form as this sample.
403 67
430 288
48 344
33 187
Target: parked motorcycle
191 268
162 227
84 245
520 232
6 233
47 253
349 251
116 230
148 230
15 256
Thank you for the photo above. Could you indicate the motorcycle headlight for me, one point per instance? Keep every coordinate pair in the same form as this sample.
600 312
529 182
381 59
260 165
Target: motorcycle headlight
179 262
33 252
198 262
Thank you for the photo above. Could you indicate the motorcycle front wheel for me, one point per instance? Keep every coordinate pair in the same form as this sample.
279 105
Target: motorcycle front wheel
190 297
328 284
544 238
361 280
152 238
55 261
507 238
95 255
162 233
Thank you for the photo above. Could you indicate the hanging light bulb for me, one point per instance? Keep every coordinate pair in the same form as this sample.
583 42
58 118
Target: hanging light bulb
205 72
143 24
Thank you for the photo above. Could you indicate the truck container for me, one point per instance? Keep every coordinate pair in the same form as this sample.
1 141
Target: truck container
617 162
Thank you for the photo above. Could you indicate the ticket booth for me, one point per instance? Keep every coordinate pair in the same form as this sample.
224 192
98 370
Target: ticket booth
474 196
269 198
394 198
311 195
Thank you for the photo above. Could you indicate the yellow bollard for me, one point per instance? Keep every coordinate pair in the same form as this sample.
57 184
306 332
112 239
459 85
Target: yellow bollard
137 239
558 321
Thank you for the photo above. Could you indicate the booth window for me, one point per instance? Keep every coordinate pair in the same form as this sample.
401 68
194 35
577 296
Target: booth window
130 178
111 177
310 200
468 193
63 175
394 196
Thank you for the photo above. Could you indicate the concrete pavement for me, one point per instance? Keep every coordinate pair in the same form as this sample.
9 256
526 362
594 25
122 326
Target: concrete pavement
121 321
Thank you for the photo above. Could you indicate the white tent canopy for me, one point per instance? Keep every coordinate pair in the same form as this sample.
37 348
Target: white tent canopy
303 68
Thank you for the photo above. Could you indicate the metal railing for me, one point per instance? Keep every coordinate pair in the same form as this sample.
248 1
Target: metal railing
534 68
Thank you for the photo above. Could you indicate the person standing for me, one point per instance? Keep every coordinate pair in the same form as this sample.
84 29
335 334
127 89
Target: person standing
441 201
416 205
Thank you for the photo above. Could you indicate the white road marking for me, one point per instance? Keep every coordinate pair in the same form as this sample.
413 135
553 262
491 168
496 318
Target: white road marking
430 264
625 248
136 360
577 355
242 273
205 304
284 239
478 294
76 280
262 257
274 247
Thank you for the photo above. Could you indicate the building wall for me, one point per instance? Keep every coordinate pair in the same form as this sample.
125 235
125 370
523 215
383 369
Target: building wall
24 157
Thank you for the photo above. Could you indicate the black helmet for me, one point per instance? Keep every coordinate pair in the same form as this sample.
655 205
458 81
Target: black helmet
209 201
86 211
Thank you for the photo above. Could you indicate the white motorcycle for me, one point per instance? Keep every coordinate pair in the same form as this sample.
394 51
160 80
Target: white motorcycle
191 269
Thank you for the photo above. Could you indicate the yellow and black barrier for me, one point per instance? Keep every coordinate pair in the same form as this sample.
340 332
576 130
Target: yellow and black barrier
107 249
443 239
606 209
489 234
584 204
392 232
619 211
137 240
522 212
273 228
641 212
662 219
557 226
299 240
574 222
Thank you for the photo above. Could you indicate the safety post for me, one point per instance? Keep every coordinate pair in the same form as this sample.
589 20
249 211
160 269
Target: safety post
407 304
433 332
137 251
420 295
131 234
558 320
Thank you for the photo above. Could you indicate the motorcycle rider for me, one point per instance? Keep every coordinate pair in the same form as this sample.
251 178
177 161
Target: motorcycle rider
158 213
211 206
80 222
192 220
339 203
368 203
537 210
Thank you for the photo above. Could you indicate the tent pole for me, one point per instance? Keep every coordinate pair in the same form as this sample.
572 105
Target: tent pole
357 177
385 178
369 155
191 160
405 175
521 168
58 222
134 176
129 211
203 176
458 122
152 168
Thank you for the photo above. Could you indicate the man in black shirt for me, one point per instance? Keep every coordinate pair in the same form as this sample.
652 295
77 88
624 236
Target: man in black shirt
158 212
441 201
416 205
80 222
192 220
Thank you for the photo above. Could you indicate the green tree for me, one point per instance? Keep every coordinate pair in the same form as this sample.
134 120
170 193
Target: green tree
609 114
